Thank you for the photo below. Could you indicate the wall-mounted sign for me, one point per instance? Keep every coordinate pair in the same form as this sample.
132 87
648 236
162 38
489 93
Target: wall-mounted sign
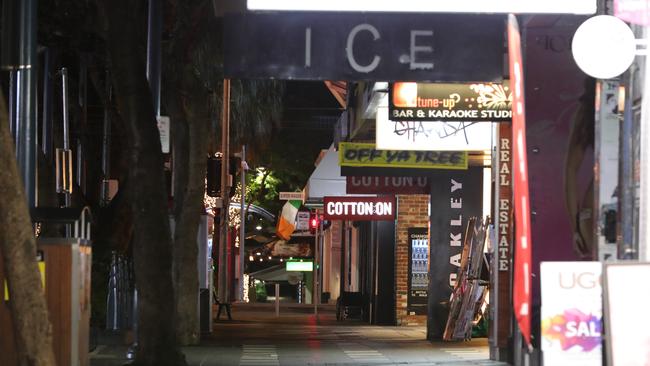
504 208
366 155
571 313
418 282
386 185
294 266
450 102
437 136
432 6
289 196
335 46
503 228
359 208
302 220
603 47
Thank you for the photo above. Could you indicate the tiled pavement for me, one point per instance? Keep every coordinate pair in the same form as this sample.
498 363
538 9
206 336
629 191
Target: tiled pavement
256 337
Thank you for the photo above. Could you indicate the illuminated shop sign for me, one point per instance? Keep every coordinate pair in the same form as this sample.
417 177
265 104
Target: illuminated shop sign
386 185
433 6
335 46
300 266
359 208
366 155
488 102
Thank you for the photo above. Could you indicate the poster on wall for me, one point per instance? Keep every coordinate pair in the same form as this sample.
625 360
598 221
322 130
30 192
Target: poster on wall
418 280
571 313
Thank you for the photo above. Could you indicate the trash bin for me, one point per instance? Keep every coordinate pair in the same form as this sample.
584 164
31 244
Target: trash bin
66 266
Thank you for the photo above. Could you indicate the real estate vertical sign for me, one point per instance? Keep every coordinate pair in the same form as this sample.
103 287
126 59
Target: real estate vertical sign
503 226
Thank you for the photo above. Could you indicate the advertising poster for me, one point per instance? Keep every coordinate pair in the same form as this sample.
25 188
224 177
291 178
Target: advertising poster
572 313
418 282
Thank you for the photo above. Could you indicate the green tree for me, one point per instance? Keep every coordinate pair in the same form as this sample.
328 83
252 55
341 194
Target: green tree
193 79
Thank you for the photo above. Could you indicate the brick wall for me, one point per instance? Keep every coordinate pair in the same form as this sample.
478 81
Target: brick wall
412 212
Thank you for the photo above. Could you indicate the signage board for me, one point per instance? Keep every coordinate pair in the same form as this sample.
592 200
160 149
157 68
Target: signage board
503 234
627 295
386 185
294 266
367 155
359 208
571 313
432 6
504 207
418 282
603 47
456 196
335 46
290 196
302 220
164 129
431 136
633 11
410 101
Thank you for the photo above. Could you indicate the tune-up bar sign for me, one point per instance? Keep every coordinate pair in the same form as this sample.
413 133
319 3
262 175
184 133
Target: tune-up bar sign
359 208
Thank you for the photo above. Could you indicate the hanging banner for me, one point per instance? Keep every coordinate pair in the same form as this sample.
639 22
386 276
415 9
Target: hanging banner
523 243
359 208
418 282
367 155
431 136
335 46
572 313
487 102
455 198
386 185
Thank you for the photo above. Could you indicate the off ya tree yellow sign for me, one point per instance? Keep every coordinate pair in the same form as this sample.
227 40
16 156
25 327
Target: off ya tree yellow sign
366 155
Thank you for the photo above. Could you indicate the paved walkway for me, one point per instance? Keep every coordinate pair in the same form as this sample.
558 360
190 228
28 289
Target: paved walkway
297 337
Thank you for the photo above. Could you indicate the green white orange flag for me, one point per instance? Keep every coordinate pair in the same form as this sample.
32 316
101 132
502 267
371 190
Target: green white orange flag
287 221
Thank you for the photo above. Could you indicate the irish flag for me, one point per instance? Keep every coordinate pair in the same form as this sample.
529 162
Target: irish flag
287 222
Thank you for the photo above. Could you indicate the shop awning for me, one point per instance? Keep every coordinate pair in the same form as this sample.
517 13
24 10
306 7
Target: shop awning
326 180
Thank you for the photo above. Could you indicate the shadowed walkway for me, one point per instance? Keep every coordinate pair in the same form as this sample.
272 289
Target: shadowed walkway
256 337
